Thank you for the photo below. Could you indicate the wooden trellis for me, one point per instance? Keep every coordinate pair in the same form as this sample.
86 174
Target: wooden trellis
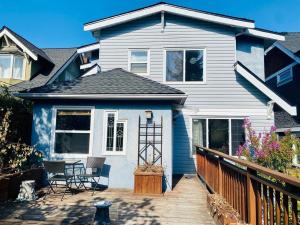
150 142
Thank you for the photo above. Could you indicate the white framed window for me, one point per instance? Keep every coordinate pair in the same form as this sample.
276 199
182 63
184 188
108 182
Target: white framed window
139 61
115 134
72 128
185 65
285 77
12 66
222 134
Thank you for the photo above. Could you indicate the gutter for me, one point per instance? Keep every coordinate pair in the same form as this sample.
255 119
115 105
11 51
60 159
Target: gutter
182 97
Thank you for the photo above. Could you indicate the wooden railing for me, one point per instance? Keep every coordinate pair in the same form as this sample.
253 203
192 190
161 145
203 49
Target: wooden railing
260 195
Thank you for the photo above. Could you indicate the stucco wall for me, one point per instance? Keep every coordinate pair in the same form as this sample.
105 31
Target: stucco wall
121 167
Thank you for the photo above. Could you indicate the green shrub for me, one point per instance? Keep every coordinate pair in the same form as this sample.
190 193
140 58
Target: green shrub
267 150
18 156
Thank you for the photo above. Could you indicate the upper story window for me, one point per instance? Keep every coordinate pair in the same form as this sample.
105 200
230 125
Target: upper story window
139 61
285 77
11 66
185 65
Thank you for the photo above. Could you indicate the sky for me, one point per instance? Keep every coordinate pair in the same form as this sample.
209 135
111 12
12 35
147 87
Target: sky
59 23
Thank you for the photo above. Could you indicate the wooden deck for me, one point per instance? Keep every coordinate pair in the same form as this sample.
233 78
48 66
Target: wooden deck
186 204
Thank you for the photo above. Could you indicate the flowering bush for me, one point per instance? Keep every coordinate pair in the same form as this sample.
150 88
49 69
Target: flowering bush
18 156
267 150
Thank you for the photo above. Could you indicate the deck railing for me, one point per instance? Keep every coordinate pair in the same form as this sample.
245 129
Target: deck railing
260 195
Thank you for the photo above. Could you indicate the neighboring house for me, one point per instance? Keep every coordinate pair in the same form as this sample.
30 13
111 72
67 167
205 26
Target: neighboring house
202 72
283 76
23 65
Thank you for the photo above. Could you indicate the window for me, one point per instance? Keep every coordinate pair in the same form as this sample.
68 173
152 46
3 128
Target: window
72 131
237 135
115 134
199 133
219 135
224 135
11 66
185 65
139 62
285 77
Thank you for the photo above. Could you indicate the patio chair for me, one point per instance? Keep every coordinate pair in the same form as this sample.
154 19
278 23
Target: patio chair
57 173
96 165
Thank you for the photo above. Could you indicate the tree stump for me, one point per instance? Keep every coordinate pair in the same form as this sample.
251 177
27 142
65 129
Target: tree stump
27 191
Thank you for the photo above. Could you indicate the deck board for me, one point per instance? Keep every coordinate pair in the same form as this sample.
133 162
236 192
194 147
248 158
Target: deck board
186 204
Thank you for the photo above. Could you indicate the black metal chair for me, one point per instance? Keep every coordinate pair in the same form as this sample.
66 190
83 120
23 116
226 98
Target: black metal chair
56 171
96 165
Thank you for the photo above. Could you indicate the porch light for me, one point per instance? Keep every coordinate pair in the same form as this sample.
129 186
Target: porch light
148 114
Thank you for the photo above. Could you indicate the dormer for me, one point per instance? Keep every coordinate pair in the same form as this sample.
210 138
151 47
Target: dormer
19 59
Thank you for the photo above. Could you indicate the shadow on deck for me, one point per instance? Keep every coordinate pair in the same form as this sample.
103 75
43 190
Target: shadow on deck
186 204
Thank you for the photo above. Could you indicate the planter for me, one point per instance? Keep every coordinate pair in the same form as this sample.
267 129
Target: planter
148 182
10 183
221 211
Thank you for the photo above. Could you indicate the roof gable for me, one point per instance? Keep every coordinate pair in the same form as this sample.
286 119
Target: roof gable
29 48
172 9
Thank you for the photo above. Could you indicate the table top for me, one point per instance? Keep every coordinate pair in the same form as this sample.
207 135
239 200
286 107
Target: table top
72 162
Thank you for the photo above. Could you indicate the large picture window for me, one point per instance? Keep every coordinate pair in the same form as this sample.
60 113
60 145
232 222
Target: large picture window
11 66
139 61
185 65
72 131
115 133
224 135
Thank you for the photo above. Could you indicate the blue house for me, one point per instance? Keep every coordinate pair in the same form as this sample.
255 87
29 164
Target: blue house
200 73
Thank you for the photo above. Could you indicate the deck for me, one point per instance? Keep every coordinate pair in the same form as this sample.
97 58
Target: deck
186 204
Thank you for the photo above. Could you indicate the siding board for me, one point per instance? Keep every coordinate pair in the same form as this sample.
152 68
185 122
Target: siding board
224 89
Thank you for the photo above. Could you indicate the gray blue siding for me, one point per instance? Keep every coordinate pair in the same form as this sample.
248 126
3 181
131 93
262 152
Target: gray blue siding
224 90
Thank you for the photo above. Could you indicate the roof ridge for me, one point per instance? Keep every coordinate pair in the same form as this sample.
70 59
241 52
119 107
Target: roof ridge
179 6
60 48
148 79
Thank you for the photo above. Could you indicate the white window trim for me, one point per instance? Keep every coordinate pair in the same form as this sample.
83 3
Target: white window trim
12 59
281 83
207 130
184 52
53 131
114 152
147 61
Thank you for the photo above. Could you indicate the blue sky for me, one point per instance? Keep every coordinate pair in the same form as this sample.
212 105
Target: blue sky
59 23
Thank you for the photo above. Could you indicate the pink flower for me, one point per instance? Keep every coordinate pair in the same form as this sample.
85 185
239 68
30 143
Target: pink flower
273 129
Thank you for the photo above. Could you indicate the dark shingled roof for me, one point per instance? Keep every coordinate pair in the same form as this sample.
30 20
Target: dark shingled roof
59 56
29 45
116 81
292 42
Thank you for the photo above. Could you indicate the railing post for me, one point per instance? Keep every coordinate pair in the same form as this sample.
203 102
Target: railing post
220 176
251 199
205 165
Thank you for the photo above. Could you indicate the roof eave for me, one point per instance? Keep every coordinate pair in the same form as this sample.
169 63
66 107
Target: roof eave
176 97
264 34
292 110
97 25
